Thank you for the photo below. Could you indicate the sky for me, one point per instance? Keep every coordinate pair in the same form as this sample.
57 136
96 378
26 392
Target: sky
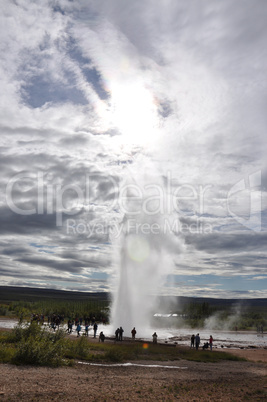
144 120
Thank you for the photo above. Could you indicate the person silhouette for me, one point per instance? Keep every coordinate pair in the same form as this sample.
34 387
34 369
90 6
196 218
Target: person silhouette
133 333
120 333
197 340
95 329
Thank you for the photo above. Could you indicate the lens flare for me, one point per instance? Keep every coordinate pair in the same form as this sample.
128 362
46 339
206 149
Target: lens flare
138 248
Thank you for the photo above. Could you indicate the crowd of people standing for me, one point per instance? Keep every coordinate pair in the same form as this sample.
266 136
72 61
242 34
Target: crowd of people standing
55 320
195 342
87 326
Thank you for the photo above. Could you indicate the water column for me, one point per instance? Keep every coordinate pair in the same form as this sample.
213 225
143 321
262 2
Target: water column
143 262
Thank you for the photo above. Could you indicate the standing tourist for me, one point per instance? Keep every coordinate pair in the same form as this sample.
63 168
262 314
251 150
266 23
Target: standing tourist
192 341
117 334
197 340
95 329
78 329
211 341
120 333
155 337
133 333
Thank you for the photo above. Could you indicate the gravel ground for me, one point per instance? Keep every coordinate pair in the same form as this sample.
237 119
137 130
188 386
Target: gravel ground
186 381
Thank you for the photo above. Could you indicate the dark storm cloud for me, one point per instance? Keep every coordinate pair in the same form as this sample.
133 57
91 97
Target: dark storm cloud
51 263
86 259
77 140
14 273
12 223
218 242
14 251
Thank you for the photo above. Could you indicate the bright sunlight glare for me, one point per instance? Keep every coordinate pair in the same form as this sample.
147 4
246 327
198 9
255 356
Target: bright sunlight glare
134 111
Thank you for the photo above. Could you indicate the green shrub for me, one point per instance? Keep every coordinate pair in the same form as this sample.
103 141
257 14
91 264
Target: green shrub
3 310
79 349
114 355
22 331
6 353
37 346
4 336
41 352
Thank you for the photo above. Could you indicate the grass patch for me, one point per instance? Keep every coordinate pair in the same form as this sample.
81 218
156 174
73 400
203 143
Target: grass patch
128 351
35 345
6 353
207 356
77 348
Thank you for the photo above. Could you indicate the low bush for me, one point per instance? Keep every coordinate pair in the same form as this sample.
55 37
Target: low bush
24 331
41 352
6 353
114 355
37 346
77 349
3 310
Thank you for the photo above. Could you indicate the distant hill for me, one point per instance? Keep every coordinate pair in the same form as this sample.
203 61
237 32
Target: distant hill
171 303
16 293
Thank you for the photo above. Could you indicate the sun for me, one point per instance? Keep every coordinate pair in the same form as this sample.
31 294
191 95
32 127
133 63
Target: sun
134 113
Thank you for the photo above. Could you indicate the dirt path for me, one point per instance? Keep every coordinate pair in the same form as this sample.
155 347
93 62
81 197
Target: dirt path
254 355
225 381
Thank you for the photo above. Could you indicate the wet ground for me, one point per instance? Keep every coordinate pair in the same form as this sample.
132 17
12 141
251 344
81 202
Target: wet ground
181 336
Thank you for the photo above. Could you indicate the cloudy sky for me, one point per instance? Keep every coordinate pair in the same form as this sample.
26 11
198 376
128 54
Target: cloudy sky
143 118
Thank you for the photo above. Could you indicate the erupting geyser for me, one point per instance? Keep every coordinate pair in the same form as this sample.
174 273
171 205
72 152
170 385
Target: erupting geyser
144 260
